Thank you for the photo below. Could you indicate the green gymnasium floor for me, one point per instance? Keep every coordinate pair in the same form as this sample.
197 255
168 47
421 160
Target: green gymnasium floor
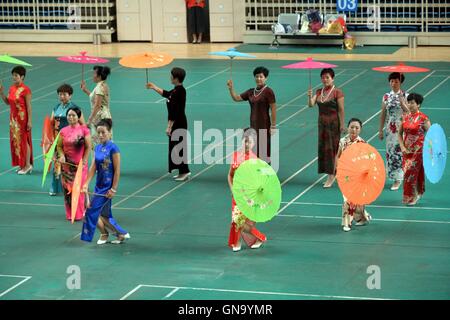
178 246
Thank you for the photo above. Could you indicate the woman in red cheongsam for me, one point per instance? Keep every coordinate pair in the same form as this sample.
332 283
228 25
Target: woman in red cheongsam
19 101
240 224
411 137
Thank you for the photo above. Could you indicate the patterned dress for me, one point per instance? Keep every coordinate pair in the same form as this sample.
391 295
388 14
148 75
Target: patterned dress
73 140
19 136
238 220
393 121
101 205
329 129
101 90
351 211
413 137
60 117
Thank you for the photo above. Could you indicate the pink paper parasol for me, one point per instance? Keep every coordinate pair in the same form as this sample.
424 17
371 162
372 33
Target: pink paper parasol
309 64
401 67
83 59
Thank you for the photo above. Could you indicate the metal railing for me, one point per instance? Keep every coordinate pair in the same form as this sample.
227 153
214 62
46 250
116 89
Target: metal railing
373 15
56 14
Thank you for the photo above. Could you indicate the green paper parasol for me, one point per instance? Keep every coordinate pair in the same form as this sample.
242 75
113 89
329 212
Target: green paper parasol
8 59
257 190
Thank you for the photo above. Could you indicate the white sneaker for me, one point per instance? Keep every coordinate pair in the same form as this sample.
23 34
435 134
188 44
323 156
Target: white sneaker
346 229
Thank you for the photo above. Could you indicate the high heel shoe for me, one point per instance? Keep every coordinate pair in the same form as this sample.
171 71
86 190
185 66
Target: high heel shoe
183 177
100 241
120 239
257 244
25 171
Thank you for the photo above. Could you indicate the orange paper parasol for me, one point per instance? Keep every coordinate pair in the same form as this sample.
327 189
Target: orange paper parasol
361 173
146 60
76 189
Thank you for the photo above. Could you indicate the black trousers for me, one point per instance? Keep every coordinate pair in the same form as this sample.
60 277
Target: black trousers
196 20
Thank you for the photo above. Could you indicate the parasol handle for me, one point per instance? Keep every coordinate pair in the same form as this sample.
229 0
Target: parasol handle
70 164
96 194
309 78
231 68
146 75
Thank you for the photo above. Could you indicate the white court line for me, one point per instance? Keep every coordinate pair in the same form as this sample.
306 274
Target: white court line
251 292
54 205
342 85
315 159
287 73
32 204
383 220
54 84
35 67
146 142
201 81
74 237
384 150
303 94
212 165
15 168
131 292
140 190
439 76
167 174
193 160
171 293
43 192
370 206
321 178
440 84
15 286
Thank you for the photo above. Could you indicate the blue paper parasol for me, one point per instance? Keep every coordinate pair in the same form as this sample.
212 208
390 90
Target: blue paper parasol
435 153
231 53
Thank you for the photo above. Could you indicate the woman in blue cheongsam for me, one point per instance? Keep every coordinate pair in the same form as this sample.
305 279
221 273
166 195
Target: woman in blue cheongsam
107 165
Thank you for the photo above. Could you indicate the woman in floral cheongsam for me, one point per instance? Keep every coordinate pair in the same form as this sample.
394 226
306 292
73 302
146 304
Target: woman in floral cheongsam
393 107
411 137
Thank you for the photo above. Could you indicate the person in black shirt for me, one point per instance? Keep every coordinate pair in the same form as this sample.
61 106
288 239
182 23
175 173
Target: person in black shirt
177 123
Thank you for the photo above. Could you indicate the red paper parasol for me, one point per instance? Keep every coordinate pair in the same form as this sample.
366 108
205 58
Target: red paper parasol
83 59
400 67
309 64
